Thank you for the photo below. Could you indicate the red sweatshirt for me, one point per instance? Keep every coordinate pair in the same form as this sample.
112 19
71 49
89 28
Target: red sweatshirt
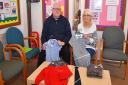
54 75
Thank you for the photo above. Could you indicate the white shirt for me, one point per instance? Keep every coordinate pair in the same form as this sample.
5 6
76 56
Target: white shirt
84 30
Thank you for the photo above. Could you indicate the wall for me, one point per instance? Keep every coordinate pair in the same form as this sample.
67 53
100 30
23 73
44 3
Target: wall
71 12
82 6
37 19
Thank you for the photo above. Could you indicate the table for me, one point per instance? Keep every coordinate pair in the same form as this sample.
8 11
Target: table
106 80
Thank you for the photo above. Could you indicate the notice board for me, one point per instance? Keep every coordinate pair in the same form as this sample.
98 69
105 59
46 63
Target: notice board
106 13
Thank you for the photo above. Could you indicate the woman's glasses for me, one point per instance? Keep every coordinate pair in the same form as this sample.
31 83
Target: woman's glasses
87 15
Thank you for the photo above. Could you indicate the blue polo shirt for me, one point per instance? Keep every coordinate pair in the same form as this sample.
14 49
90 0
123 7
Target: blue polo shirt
52 50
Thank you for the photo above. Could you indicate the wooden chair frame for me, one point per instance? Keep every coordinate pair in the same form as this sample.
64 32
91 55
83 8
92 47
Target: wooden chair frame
21 48
9 49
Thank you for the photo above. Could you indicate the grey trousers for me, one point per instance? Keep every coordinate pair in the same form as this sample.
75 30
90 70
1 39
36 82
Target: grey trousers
81 55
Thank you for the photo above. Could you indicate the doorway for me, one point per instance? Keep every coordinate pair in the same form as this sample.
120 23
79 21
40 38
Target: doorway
29 16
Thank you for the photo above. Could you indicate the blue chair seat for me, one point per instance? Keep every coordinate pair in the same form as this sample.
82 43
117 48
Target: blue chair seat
10 68
15 36
114 54
32 53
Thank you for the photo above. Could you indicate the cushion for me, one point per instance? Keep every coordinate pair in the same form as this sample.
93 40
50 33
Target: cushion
29 54
10 68
32 53
27 49
114 54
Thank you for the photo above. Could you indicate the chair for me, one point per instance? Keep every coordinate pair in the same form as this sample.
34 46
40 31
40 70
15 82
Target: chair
36 36
10 68
14 38
113 43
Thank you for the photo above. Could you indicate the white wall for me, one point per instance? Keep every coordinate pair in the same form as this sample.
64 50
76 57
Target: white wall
37 19
71 12
82 7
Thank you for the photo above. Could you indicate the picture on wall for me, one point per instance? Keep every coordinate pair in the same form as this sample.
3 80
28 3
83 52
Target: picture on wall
9 13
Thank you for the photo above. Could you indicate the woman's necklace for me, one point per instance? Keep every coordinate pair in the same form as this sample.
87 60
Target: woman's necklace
87 25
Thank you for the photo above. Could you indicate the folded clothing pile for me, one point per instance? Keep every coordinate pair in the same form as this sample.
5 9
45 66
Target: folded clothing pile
58 63
94 71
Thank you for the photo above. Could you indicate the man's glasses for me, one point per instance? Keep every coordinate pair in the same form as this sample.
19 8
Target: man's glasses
56 8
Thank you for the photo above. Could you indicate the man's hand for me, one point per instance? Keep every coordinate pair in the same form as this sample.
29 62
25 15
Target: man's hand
60 42
44 46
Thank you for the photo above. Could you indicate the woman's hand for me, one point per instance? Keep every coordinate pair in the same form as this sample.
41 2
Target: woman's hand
60 42
86 36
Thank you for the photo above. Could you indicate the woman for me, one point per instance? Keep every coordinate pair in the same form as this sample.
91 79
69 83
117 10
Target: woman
88 29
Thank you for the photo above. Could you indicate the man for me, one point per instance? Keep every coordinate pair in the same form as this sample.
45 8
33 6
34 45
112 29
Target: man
57 27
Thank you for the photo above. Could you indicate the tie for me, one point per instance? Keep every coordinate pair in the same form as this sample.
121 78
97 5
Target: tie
77 77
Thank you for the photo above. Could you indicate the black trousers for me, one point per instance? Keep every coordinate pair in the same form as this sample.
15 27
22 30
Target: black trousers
41 57
64 54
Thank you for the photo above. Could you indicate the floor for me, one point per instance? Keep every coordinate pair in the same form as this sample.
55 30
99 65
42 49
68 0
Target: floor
116 73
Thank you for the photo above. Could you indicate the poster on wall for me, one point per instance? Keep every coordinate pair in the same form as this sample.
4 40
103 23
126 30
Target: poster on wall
112 2
49 4
96 17
96 8
111 13
96 5
9 13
